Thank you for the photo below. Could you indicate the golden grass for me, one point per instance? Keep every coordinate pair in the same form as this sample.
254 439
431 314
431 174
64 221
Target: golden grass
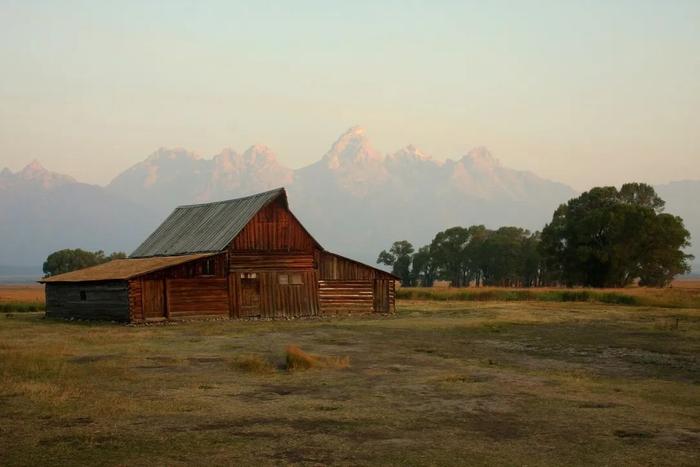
252 363
673 297
22 293
297 360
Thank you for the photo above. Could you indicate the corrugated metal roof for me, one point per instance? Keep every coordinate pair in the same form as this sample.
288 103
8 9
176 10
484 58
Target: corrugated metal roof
122 269
208 227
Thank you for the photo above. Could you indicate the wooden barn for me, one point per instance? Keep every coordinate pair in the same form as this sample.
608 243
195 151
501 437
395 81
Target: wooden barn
242 258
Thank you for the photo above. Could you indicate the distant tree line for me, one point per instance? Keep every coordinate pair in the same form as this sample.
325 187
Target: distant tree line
67 260
603 238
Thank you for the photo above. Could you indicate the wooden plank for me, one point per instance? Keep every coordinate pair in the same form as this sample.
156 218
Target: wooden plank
98 300
273 228
198 296
334 267
345 296
153 298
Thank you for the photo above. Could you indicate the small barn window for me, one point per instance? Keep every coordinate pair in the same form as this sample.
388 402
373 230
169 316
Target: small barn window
83 296
249 275
295 279
208 267
283 279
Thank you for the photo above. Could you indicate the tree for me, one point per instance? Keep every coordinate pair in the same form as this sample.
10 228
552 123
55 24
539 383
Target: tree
423 267
68 260
608 237
475 254
509 258
399 258
664 258
449 251
532 263
641 194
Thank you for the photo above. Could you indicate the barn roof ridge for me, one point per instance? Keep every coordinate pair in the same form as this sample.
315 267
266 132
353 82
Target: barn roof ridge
278 191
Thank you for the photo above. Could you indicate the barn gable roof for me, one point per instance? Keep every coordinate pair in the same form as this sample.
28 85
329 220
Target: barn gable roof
123 269
209 227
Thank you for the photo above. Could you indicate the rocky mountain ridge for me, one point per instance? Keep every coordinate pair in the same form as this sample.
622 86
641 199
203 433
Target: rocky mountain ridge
354 199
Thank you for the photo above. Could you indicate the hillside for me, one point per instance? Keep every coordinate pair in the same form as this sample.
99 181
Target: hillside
42 211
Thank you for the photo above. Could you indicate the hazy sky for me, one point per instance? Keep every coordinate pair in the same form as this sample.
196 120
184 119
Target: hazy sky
585 92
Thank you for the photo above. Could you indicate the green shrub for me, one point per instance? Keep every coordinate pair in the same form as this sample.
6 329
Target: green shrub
21 307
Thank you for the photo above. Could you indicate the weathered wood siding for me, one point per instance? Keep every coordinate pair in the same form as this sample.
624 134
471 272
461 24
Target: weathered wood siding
273 228
193 269
332 266
102 300
271 261
337 296
384 296
272 244
274 300
196 297
346 285
135 301
185 290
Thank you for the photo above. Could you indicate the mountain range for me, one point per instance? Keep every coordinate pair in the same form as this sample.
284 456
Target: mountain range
354 199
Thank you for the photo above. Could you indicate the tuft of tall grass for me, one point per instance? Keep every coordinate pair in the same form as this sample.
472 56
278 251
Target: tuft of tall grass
21 307
297 359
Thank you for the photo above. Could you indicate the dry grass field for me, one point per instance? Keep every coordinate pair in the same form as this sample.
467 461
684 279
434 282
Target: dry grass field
21 293
439 383
682 294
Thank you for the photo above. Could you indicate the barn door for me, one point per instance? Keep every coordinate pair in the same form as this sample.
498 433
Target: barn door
153 296
381 296
250 295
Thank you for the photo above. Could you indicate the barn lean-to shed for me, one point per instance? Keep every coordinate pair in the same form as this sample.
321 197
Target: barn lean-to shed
246 257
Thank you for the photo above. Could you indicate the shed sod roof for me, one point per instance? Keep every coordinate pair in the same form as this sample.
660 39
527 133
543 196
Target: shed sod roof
122 269
200 228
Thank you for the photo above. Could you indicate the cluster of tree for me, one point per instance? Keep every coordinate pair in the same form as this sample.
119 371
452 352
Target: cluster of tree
68 260
609 238
604 238
505 257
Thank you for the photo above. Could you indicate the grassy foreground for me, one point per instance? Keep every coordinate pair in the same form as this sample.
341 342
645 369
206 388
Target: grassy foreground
440 383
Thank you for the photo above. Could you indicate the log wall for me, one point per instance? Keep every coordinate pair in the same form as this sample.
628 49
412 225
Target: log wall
339 296
102 300
347 285
384 296
136 301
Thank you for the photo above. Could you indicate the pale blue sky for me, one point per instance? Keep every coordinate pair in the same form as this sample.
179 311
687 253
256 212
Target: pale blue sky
586 92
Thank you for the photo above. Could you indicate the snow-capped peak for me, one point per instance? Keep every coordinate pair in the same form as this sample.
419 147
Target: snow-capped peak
352 147
410 153
481 158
